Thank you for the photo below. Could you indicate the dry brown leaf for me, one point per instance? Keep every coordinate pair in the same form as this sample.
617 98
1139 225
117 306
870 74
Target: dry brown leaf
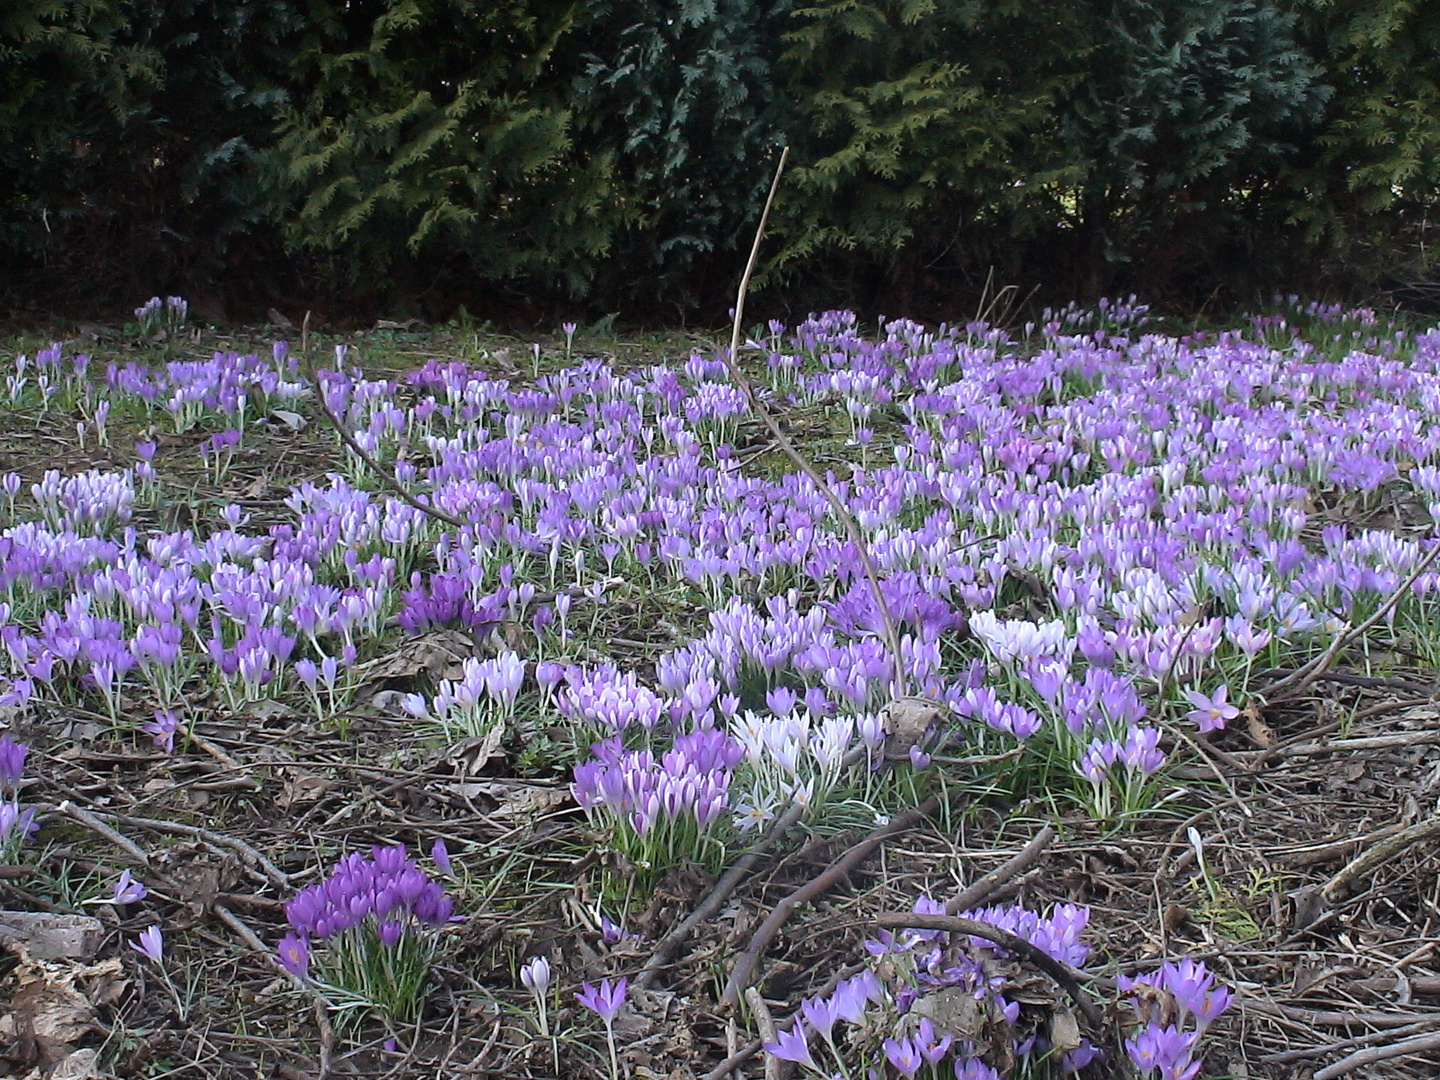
48 936
440 655
513 800
304 787
908 719
1261 733
471 755
52 1007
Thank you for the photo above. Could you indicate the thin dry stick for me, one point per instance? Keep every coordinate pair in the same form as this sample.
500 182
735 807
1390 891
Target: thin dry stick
1418 1044
766 1023
322 1009
727 884
1374 857
744 969
1285 1056
386 478
898 686
277 876
95 825
980 890
1063 974
746 1052
1338 746
1293 684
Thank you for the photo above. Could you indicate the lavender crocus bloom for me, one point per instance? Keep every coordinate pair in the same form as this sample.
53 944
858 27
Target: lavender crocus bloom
904 1055
127 890
536 975
605 1000
295 955
150 944
440 855
12 762
1211 712
792 1045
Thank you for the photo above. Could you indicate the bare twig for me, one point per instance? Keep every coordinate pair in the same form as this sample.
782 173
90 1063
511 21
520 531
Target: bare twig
1417 1044
386 478
728 883
1374 857
1340 746
1303 676
757 406
95 825
981 889
766 1023
1063 974
744 969
255 858
1285 1056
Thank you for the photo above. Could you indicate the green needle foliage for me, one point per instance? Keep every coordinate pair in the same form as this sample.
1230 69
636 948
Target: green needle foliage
613 154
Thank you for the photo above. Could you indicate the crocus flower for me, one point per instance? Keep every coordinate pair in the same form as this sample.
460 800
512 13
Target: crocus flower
295 955
12 762
440 855
791 1045
904 1055
604 1000
162 731
822 1014
1210 713
536 975
127 890
150 944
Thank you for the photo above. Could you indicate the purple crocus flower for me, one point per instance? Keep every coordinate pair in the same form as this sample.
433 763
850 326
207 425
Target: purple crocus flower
150 944
12 762
440 855
127 890
1212 712
904 1055
604 1000
822 1014
791 1045
536 975
295 955
162 731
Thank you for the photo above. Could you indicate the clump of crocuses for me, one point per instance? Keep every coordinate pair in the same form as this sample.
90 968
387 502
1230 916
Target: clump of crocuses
366 935
937 1004
16 822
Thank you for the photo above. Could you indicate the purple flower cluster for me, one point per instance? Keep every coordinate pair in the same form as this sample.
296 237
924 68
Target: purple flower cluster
1141 482
386 895
1175 1006
886 1008
17 822
634 792
475 703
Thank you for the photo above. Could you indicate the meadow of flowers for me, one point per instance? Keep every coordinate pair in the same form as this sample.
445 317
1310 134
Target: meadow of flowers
1090 537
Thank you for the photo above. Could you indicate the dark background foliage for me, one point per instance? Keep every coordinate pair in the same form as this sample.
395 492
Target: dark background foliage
539 159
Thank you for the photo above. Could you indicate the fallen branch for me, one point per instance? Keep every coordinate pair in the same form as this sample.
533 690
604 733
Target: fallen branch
1303 676
727 884
981 889
386 478
766 1023
898 686
1064 975
247 853
95 825
1284 1057
1339 746
744 970
1374 857
1417 1044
